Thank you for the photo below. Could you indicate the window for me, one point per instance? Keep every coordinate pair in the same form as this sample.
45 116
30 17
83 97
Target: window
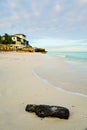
19 39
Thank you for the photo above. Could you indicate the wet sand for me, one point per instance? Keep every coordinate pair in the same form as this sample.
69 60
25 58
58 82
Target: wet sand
65 74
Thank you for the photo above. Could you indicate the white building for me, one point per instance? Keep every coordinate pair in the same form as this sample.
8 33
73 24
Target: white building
19 40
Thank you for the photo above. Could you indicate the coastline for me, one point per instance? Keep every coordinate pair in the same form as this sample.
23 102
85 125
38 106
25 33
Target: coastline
19 87
66 75
59 88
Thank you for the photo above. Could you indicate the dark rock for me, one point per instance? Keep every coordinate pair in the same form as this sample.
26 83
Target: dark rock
40 50
48 111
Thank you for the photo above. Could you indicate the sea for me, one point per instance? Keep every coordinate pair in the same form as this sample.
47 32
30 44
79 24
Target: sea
70 55
70 75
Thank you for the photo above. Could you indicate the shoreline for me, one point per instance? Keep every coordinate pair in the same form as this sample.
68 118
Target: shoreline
75 70
59 88
19 87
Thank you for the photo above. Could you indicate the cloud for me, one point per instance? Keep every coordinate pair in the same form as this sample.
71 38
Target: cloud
13 4
35 10
38 7
8 21
83 1
57 8
14 12
44 18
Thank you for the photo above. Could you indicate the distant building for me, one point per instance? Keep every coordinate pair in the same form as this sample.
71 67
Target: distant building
19 40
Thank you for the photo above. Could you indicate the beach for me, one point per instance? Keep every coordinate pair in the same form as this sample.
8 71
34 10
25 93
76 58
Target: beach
20 84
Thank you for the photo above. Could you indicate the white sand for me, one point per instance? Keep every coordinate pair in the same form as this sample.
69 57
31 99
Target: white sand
19 87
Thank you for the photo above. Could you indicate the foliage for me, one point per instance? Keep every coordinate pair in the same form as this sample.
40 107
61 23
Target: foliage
6 39
0 38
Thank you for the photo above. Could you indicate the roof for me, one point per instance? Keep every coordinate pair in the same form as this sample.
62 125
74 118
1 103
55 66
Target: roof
20 34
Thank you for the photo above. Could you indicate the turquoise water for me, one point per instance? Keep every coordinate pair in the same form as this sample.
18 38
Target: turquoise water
70 55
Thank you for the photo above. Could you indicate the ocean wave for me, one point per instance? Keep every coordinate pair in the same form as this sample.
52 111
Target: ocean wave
59 88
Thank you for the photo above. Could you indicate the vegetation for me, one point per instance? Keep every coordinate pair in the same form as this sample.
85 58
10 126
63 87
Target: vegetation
7 44
0 39
6 39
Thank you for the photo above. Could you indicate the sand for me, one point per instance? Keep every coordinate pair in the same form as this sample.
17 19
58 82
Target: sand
19 86
70 75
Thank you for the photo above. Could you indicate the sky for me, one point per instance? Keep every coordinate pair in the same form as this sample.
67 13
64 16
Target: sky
46 22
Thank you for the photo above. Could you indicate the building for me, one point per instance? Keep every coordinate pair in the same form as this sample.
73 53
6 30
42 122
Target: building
19 40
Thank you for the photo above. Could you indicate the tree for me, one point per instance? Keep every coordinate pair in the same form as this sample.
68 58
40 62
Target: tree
0 39
8 39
